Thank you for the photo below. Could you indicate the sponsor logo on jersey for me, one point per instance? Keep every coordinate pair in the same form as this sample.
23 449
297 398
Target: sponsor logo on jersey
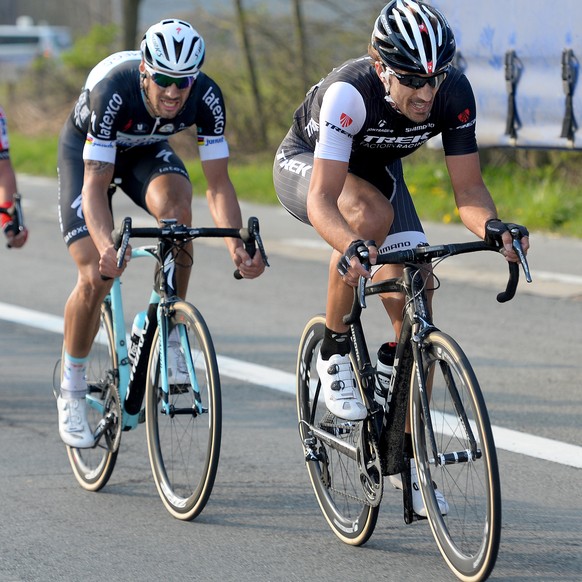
215 106
464 116
385 141
103 128
345 120
336 128
168 128
312 127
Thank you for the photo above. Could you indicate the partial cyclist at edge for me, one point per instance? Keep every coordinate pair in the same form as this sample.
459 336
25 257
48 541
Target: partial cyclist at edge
117 133
8 189
339 169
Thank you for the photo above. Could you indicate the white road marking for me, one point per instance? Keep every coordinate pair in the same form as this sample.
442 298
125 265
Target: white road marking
506 439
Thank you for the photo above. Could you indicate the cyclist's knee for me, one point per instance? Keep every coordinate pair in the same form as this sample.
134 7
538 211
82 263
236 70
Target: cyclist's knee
370 216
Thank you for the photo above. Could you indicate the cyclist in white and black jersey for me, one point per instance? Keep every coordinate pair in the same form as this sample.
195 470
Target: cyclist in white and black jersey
339 169
118 134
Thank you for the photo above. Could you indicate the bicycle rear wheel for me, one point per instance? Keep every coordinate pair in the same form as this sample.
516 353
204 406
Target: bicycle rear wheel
465 465
335 476
93 467
184 426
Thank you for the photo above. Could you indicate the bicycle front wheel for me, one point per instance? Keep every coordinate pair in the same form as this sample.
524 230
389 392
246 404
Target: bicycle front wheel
335 476
93 467
461 460
184 426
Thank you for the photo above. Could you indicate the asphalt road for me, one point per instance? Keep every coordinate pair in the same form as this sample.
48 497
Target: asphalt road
262 522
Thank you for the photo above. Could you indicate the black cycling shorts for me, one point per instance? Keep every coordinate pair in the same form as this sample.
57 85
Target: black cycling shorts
292 173
135 168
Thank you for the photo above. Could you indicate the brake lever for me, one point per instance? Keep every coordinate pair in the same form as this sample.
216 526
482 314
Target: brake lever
519 252
250 237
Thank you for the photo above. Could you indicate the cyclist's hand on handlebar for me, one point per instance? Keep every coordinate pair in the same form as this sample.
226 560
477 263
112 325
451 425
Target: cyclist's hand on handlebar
499 234
351 264
16 234
248 267
15 241
108 262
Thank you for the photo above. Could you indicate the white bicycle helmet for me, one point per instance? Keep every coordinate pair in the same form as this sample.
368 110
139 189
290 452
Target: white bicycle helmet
174 48
414 37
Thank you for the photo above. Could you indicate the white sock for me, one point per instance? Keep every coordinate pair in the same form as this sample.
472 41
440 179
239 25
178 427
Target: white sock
74 384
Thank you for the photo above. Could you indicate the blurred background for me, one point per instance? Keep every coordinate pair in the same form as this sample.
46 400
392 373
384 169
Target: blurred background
266 54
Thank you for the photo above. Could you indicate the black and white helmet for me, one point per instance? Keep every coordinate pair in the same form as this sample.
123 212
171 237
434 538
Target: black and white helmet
173 47
414 37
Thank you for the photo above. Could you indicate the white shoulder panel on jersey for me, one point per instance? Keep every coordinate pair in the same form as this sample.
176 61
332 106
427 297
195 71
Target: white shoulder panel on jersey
342 115
101 69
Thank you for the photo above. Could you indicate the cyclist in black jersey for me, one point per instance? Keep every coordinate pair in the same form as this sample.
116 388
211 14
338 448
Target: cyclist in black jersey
8 189
118 134
339 167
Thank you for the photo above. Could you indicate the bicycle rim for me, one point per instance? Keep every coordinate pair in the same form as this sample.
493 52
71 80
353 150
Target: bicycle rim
467 474
184 444
335 477
93 467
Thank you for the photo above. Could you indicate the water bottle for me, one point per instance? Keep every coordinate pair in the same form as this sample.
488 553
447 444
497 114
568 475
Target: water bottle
384 365
136 333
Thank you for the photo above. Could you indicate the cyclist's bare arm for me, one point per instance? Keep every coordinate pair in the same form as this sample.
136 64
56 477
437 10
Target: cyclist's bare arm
474 201
226 213
98 177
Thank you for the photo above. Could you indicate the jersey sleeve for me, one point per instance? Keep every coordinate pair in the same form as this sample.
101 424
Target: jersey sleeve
106 119
341 116
460 118
211 123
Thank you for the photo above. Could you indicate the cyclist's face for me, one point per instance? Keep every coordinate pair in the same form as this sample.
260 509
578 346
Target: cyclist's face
416 104
165 102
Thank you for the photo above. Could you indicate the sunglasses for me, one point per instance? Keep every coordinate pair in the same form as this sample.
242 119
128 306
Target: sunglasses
165 81
417 82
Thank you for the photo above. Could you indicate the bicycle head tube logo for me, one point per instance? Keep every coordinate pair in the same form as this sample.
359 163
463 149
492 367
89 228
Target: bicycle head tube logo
169 272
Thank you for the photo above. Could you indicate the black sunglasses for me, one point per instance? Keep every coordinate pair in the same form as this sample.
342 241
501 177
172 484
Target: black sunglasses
165 81
417 82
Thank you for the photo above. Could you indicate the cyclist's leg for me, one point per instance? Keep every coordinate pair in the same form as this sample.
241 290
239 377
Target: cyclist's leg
362 204
82 307
156 180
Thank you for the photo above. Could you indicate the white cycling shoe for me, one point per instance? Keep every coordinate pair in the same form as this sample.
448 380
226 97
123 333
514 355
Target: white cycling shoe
417 502
74 428
342 396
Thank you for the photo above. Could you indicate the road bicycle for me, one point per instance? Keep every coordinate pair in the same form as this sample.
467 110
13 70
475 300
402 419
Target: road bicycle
181 411
432 388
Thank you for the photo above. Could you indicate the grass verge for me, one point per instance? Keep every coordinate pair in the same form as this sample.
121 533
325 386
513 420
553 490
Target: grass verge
544 195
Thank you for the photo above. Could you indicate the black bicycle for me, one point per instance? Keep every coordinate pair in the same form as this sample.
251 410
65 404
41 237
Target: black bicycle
433 384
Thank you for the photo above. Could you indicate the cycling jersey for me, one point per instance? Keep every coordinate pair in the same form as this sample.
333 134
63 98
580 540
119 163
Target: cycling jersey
111 123
348 117
4 144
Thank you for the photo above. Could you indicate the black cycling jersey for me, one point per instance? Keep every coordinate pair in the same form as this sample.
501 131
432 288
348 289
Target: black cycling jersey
385 134
347 116
111 123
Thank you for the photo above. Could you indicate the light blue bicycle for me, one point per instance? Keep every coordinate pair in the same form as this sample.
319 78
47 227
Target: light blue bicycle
182 405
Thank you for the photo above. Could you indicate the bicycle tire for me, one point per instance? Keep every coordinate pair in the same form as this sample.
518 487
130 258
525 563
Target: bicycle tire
334 476
184 446
468 536
93 467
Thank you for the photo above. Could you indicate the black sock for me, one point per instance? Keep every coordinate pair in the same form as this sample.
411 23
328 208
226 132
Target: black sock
335 343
